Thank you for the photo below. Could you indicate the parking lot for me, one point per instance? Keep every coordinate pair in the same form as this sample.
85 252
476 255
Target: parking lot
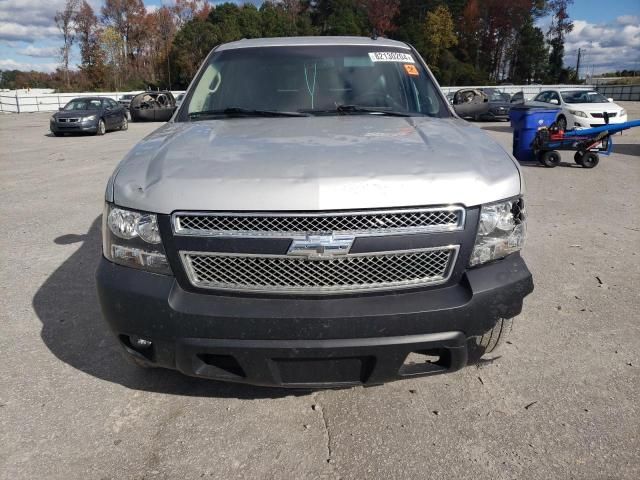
560 400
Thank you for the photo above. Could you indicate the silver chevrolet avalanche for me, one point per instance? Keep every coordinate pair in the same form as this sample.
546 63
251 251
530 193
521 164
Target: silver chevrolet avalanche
314 215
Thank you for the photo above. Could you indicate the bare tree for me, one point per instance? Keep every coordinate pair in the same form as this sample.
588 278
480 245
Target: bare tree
65 19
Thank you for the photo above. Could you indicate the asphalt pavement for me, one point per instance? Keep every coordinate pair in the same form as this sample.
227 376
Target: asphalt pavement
559 400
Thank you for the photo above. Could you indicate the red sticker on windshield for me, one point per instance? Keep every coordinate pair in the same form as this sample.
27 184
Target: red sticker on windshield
411 69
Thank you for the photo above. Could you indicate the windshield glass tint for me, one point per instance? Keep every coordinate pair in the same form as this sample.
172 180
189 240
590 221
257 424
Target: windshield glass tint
92 104
583 96
316 78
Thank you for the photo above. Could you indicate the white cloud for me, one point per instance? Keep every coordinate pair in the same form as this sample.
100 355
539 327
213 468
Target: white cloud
27 33
605 47
628 20
28 20
39 52
40 67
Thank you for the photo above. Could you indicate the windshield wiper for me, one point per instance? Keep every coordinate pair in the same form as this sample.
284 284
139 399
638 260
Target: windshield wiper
357 109
243 112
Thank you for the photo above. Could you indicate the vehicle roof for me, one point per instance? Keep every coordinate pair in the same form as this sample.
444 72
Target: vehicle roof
89 98
311 41
566 89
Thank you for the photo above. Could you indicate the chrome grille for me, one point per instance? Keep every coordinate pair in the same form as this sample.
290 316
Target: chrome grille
349 273
292 225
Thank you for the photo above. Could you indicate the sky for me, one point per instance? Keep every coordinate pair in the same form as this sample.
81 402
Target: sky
607 32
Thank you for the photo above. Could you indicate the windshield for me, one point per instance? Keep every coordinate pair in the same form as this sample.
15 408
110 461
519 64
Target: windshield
315 80
583 96
497 96
84 104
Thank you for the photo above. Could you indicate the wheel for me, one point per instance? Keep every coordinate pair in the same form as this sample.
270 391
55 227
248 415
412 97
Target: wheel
590 160
125 124
491 340
128 115
102 128
550 158
577 157
561 123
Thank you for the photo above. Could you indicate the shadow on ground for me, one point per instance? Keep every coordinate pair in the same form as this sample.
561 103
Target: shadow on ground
561 164
73 329
498 128
632 149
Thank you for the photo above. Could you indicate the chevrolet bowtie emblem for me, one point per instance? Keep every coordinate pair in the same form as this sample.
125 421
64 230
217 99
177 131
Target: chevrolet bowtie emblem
321 246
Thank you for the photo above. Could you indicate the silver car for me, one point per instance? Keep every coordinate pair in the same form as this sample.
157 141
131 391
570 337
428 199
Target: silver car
314 215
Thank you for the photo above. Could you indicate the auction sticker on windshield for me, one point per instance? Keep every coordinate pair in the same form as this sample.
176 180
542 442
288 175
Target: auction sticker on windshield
391 57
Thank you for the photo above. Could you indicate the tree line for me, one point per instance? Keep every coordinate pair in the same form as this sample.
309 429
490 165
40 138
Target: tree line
124 46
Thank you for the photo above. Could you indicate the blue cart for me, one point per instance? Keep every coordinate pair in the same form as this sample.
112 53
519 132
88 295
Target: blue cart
588 143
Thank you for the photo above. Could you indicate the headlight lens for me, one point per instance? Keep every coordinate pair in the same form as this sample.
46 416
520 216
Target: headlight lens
89 118
578 113
501 231
132 239
623 112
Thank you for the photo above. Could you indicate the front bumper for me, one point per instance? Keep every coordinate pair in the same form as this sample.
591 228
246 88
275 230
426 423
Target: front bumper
308 342
590 122
493 116
79 127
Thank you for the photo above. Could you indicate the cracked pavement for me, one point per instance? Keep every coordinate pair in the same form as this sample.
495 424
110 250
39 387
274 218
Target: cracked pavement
558 401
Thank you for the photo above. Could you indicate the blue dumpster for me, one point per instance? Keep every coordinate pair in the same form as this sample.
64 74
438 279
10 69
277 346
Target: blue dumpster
525 122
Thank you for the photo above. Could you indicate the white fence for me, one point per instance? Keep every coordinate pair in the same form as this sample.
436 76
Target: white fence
620 92
529 91
49 102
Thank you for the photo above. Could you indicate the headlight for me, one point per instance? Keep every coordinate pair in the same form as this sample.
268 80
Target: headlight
578 113
501 231
622 113
132 239
89 118
53 118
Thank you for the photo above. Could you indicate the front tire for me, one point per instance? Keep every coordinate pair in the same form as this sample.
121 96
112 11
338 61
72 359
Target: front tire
590 160
577 157
550 158
102 128
125 124
489 341
561 123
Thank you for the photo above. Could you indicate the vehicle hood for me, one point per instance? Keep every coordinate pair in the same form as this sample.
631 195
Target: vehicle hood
76 113
594 107
313 163
499 103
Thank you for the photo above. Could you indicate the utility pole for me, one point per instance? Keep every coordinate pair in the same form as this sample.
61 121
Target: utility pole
578 65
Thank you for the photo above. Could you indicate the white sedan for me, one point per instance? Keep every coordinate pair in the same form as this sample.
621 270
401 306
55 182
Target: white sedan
581 108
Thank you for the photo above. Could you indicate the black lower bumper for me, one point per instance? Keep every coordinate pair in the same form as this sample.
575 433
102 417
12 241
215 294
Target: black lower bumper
79 128
308 342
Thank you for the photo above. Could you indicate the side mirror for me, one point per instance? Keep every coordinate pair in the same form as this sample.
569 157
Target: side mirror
554 101
610 100
60 109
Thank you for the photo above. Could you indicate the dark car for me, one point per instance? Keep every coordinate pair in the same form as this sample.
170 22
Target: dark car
482 104
94 115
518 98
152 107
125 101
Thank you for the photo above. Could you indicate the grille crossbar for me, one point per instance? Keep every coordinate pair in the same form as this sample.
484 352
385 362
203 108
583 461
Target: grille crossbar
293 225
350 273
